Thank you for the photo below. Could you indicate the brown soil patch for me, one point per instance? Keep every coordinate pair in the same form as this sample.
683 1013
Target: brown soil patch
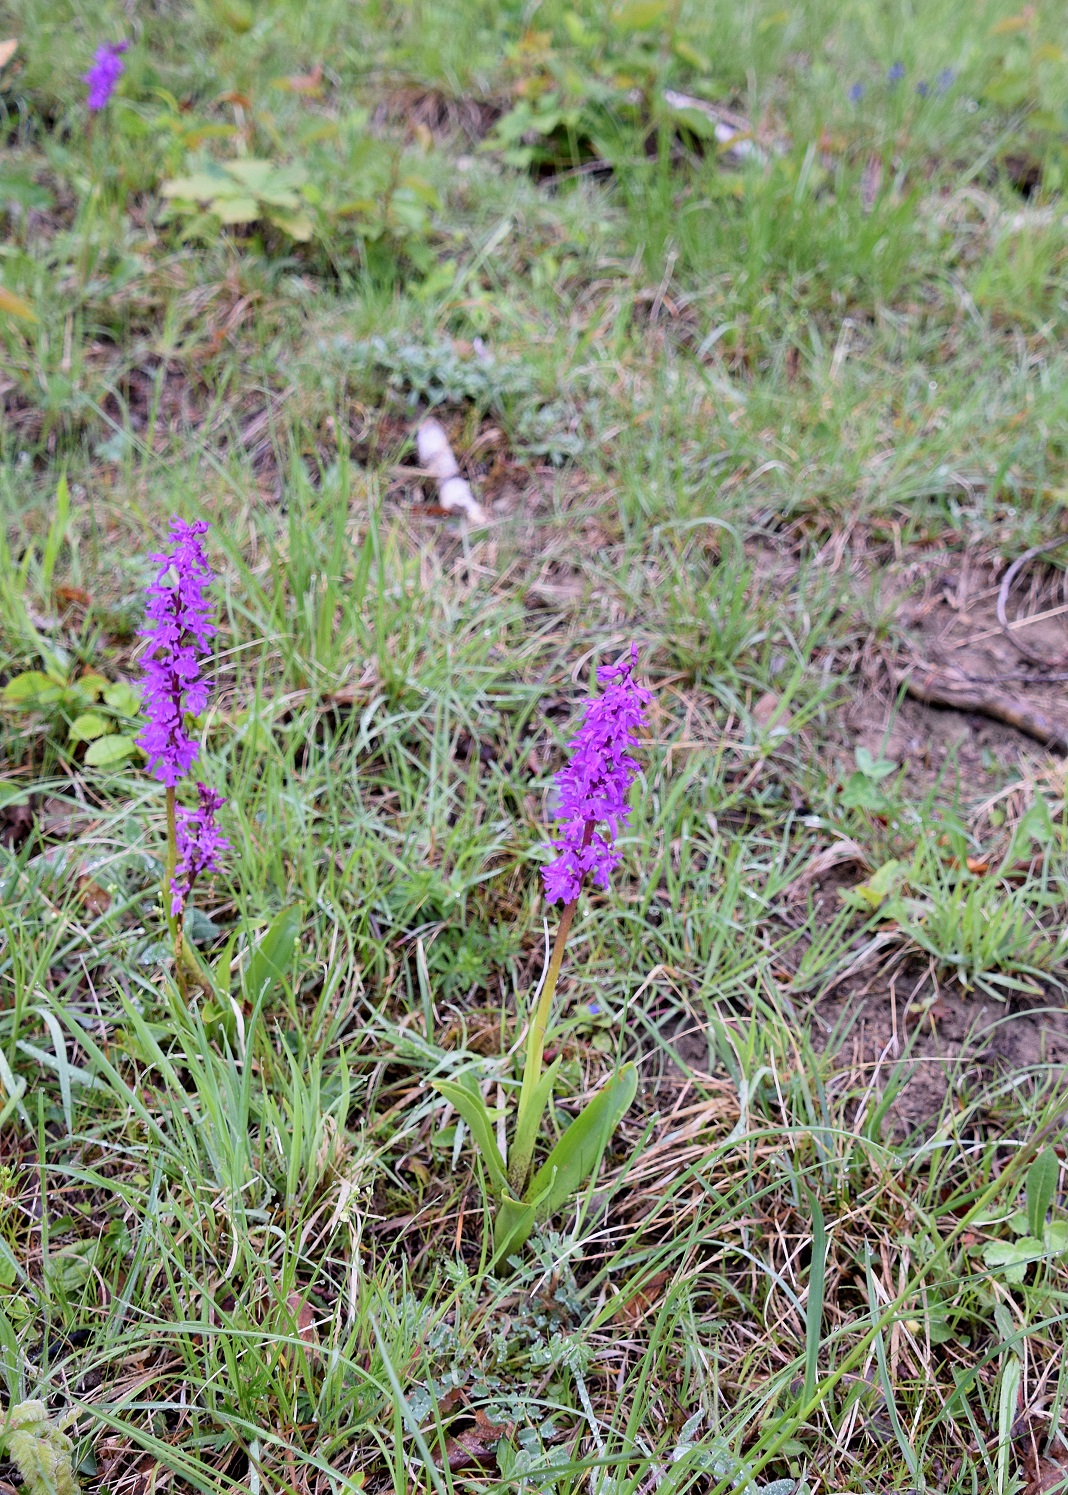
945 1039
952 622
442 115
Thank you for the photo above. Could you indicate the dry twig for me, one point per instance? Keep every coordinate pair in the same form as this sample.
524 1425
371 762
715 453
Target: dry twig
950 687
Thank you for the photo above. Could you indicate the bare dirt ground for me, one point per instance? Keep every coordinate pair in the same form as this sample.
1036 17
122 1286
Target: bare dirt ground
948 1038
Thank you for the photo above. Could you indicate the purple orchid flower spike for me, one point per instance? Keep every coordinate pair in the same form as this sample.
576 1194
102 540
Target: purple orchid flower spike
592 788
178 628
199 844
107 69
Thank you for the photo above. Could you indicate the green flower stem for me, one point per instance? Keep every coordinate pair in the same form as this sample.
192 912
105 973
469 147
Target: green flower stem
168 879
526 1126
172 862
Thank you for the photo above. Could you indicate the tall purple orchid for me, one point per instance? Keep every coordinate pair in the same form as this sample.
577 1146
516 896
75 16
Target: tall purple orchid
108 67
592 788
178 628
592 791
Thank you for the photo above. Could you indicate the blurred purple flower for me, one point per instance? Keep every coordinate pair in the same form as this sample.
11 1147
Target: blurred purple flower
592 789
895 72
107 69
923 89
945 80
199 844
178 628
856 93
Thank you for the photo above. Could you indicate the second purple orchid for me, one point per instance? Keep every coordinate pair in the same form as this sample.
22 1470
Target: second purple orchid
102 78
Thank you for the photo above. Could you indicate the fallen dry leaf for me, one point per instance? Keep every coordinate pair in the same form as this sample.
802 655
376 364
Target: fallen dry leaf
978 865
304 1318
1046 1476
476 1446
68 597
766 713
310 84
633 1309
95 898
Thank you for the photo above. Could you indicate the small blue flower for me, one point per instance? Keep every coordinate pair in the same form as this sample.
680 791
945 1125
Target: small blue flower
923 89
895 72
945 79
594 1009
856 93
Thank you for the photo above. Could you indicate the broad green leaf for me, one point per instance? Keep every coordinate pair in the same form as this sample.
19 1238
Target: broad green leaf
640 15
222 963
252 732
578 1152
425 191
280 197
471 1107
237 14
200 187
88 727
253 173
20 187
30 690
123 698
688 53
235 209
1040 1188
527 1125
297 225
511 1227
1056 1237
91 686
271 957
197 134
108 750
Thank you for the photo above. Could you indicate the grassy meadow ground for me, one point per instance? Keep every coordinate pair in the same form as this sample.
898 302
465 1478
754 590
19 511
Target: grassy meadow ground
785 414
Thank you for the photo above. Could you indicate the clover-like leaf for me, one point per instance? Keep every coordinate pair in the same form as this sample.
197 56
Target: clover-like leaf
1013 1258
236 209
106 751
88 727
123 698
32 690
